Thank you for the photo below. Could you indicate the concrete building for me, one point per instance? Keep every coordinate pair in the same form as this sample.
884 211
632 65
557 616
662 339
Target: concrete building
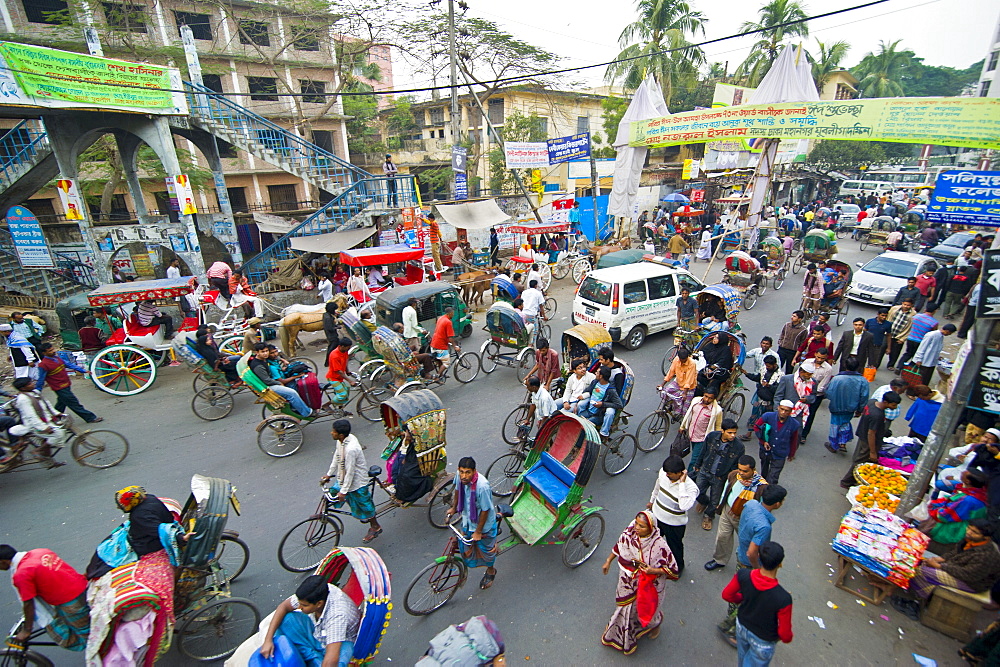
988 83
841 85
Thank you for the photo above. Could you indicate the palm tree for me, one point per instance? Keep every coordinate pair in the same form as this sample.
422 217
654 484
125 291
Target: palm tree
828 61
765 50
880 74
662 25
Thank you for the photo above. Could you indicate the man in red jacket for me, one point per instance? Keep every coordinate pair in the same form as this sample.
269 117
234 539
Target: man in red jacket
765 612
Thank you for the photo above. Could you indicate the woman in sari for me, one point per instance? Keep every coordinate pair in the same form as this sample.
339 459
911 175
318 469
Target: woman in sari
645 562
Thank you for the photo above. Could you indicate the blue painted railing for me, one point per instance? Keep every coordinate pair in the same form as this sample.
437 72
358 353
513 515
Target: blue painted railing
21 145
67 267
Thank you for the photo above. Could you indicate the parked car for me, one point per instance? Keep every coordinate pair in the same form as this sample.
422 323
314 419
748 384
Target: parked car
951 247
878 281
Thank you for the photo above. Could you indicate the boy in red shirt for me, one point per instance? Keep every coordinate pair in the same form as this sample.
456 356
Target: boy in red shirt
765 608
817 341
52 371
444 334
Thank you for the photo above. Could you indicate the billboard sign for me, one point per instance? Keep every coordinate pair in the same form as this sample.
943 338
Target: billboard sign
966 197
29 241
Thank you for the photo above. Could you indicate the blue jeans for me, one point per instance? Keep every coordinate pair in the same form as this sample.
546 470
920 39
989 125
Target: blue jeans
594 415
751 650
293 399
695 451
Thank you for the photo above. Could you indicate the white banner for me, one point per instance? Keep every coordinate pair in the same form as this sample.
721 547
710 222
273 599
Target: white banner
526 154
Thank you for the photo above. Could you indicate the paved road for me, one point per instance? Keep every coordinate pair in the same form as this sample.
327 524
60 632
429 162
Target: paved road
548 613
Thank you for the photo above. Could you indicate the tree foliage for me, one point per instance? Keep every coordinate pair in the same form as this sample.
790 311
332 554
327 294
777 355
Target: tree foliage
517 127
881 73
854 154
771 38
827 61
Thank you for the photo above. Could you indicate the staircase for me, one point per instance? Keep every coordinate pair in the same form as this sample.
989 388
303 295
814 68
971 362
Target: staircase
71 277
27 162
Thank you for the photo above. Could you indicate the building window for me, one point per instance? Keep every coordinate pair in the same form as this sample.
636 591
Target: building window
201 26
263 88
304 40
283 197
238 200
53 12
440 134
582 124
119 210
984 89
212 82
495 111
254 32
993 61
313 92
437 116
131 18
543 127
165 207
323 139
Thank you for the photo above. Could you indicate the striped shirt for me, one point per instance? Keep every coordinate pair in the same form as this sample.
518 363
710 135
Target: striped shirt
219 270
921 325
672 500
146 312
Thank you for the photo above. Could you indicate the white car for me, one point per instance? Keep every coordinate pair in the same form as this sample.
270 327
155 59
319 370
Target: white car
878 281
848 214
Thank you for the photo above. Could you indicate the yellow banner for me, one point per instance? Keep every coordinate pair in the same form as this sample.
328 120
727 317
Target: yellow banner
972 122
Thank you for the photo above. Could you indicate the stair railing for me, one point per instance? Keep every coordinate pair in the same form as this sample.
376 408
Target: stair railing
19 146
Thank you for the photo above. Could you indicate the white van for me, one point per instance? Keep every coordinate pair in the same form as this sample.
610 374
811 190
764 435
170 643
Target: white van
634 300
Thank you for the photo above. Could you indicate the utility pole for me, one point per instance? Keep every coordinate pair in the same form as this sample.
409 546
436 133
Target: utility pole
595 187
456 114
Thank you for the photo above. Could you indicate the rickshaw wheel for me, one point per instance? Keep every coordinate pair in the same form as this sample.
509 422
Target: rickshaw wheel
841 232
583 541
308 542
864 242
668 359
231 556
618 453
466 367
201 380
635 338
373 375
488 357
511 431
750 298
122 370
733 409
561 269
762 286
216 630
525 360
845 306
354 362
14 656
280 436
503 473
434 586
409 387
307 361
779 279
581 268
99 449
369 406
652 431
212 403
797 264
231 345
437 510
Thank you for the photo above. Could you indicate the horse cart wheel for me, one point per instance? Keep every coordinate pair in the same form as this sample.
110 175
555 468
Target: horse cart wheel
583 540
561 269
231 345
215 631
123 370
280 436
581 268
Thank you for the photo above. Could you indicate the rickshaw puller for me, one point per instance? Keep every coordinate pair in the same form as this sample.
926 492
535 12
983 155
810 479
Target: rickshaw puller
350 470
474 501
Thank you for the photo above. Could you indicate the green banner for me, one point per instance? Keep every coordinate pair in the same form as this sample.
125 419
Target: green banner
53 78
972 122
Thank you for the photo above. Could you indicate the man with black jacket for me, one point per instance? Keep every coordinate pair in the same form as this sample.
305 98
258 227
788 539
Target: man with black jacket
857 343
715 460
763 399
942 278
911 292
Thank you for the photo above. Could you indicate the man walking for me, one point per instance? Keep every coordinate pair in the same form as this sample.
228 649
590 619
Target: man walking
390 171
763 397
26 327
921 325
900 320
970 313
778 434
879 328
434 237
673 495
52 370
822 374
871 429
764 614
792 334
848 393
701 418
22 353
719 455
909 293
929 351
858 344
742 484
959 285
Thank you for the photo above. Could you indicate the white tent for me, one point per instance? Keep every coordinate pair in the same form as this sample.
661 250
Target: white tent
273 224
647 103
333 242
473 215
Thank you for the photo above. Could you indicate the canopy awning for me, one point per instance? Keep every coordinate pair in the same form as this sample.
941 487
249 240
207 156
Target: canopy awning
732 200
333 242
273 224
392 254
140 290
473 215
545 228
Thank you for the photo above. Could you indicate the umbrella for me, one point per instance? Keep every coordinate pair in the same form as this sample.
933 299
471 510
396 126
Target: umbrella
685 211
676 196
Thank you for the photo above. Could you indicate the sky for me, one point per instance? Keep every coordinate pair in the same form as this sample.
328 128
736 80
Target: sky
955 33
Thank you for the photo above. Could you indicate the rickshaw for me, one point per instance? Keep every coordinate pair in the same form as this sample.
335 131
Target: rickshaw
548 508
582 341
744 273
71 312
778 261
508 331
432 299
878 233
362 574
718 298
415 425
399 372
834 304
816 247
125 366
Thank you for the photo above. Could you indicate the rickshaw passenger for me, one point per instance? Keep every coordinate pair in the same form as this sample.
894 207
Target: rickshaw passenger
716 352
519 283
712 305
603 403
577 385
606 357
713 323
425 359
259 365
205 346
833 290
508 327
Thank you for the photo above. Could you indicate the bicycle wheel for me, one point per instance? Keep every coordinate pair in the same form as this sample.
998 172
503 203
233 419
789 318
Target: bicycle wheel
99 449
503 473
466 367
511 429
525 360
437 510
864 242
13 657
231 556
215 631
619 453
308 542
376 377
797 264
779 279
550 307
212 403
583 541
369 406
434 586
488 356
845 306
280 436
652 431
841 232
734 407
762 286
668 359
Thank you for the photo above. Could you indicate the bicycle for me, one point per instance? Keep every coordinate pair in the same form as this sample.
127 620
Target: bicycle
652 430
16 654
101 448
502 474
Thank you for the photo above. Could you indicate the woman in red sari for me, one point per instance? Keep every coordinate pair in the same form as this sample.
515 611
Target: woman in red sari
645 563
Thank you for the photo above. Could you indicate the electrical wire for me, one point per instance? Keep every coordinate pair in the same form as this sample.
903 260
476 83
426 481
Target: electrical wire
503 80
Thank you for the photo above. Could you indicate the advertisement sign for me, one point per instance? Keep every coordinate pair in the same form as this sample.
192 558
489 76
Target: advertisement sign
461 186
185 194
989 292
526 154
39 76
986 389
70 197
459 156
944 121
698 195
691 169
29 242
574 147
580 169
966 198
726 95
172 193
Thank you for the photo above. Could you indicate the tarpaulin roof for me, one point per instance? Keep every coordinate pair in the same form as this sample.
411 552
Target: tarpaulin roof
473 215
140 290
333 242
273 224
392 254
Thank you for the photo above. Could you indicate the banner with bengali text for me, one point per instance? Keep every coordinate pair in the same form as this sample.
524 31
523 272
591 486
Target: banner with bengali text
39 76
972 122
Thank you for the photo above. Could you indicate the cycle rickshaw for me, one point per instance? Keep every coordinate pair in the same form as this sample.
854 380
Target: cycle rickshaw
508 331
835 302
549 507
778 261
415 425
719 299
744 273
878 233
581 341
816 247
